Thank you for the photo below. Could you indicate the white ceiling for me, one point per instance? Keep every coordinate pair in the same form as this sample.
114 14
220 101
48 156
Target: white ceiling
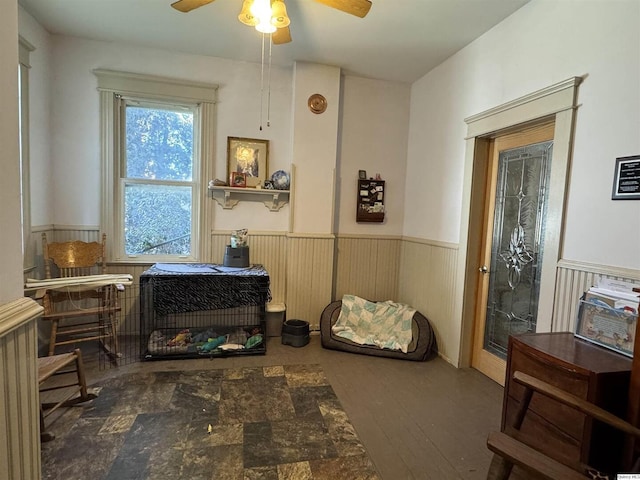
399 40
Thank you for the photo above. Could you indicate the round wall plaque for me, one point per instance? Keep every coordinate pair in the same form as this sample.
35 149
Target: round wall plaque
317 103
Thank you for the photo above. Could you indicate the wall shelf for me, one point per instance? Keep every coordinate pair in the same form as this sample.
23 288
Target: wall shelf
370 204
228 197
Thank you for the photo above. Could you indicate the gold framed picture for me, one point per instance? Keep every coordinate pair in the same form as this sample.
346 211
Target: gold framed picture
249 156
237 179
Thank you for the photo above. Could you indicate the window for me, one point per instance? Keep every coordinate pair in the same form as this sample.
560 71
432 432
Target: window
155 176
159 179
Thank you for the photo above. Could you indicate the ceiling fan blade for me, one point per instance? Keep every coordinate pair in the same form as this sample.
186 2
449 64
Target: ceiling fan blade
281 35
359 8
188 5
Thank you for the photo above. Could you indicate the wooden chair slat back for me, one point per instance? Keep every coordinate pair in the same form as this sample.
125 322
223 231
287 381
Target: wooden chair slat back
74 258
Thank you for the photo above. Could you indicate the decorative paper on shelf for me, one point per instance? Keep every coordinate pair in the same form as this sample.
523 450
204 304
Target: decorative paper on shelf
608 315
370 207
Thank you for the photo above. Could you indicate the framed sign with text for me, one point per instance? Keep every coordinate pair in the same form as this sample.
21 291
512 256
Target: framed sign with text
626 180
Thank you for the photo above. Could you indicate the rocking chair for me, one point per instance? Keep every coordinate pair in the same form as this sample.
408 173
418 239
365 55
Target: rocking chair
79 313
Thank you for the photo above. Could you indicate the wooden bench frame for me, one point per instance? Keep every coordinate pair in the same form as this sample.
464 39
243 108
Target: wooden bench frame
58 365
513 452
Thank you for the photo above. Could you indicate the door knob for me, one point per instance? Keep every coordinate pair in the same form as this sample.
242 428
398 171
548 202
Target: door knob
483 269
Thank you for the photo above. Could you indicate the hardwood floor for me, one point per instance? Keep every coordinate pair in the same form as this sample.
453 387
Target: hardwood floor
417 420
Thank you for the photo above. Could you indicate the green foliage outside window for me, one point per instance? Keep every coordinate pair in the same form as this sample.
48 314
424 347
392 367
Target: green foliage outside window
158 192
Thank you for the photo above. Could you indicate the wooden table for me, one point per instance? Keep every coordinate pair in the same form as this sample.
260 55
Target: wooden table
579 367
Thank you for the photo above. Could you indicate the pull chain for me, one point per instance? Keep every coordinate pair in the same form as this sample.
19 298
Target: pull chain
269 86
261 81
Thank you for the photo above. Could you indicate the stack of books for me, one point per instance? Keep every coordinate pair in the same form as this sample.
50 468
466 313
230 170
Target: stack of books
615 294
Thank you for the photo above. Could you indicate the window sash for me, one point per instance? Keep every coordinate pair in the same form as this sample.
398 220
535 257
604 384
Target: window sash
122 179
192 229
193 110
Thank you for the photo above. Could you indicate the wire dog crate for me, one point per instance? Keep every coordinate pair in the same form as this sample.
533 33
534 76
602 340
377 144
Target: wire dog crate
202 310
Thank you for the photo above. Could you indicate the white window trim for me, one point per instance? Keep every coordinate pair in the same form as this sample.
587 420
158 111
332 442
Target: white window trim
28 249
112 85
122 179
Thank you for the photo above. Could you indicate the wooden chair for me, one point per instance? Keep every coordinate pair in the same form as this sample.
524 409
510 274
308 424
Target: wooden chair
509 451
59 365
79 314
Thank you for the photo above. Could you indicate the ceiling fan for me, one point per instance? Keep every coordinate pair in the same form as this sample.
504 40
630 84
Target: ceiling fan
277 23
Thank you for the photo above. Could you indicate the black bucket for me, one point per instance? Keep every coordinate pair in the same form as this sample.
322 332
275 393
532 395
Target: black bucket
295 333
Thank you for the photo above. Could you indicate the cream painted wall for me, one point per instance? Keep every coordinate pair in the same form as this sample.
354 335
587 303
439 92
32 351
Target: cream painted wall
65 155
374 132
541 44
10 240
315 148
76 114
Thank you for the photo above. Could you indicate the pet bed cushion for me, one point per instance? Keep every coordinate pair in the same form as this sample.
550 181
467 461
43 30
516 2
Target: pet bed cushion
422 346
385 324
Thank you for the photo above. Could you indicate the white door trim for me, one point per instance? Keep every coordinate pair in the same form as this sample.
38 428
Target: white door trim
559 101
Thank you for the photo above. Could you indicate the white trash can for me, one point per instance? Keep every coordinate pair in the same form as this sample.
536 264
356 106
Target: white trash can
276 315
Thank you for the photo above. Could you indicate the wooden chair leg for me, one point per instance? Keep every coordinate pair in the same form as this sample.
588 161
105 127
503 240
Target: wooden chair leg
499 469
44 435
55 366
52 337
114 335
82 381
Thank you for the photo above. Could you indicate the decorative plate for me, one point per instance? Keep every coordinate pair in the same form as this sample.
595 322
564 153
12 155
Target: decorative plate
317 103
280 180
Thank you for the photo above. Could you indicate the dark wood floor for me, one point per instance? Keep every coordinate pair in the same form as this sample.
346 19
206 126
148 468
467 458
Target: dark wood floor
417 420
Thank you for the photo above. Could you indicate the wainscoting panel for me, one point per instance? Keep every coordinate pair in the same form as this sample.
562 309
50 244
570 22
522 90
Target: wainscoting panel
427 282
19 405
87 235
219 240
129 299
572 280
413 271
309 277
368 267
270 250
35 239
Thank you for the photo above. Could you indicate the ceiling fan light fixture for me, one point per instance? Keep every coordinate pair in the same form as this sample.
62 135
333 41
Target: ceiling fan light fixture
246 16
265 27
279 17
261 9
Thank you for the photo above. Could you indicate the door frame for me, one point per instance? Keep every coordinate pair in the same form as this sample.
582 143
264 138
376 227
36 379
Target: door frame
486 362
557 102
